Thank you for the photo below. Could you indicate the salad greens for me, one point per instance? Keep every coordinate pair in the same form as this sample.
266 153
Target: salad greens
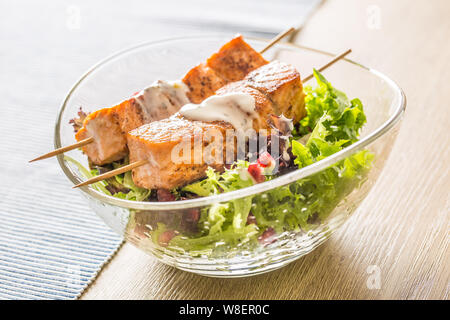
336 121
344 118
127 189
120 186
225 223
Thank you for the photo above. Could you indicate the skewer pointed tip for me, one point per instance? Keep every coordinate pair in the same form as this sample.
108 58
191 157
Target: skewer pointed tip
44 156
79 144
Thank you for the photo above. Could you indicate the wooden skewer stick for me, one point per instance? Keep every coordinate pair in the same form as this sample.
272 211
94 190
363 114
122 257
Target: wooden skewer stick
329 63
65 149
277 38
112 173
89 140
139 163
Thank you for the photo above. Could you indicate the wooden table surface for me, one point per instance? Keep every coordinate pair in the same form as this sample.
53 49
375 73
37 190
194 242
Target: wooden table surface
400 233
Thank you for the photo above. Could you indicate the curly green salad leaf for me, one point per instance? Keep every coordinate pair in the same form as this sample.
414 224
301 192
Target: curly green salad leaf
221 223
131 191
334 123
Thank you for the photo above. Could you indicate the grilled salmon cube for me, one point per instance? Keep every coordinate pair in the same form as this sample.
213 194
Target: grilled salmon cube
282 84
131 114
109 141
175 148
109 126
202 82
235 60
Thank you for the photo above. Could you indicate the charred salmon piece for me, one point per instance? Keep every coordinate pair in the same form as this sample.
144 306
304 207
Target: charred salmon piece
109 141
263 105
235 60
202 82
131 115
281 83
175 148
108 126
159 101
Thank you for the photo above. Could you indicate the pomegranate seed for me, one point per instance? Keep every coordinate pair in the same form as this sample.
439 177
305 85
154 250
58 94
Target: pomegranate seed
255 171
192 215
267 237
165 237
165 195
265 159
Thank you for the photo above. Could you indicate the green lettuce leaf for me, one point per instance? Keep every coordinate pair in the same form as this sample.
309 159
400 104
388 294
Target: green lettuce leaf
344 117
225 223
134 192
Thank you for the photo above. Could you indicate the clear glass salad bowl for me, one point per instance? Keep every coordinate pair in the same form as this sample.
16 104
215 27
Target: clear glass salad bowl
141 223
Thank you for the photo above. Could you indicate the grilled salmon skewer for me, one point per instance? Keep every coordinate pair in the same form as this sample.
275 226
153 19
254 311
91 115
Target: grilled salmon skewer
102 136
157 139
275 88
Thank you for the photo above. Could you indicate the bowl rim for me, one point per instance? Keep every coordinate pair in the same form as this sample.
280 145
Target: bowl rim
241 193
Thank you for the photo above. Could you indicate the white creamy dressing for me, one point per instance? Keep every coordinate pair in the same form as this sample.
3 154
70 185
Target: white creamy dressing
238 109
162 99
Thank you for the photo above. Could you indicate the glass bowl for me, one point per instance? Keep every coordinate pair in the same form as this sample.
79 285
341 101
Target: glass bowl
142 223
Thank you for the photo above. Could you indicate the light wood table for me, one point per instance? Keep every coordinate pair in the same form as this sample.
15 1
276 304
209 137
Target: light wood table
402 227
